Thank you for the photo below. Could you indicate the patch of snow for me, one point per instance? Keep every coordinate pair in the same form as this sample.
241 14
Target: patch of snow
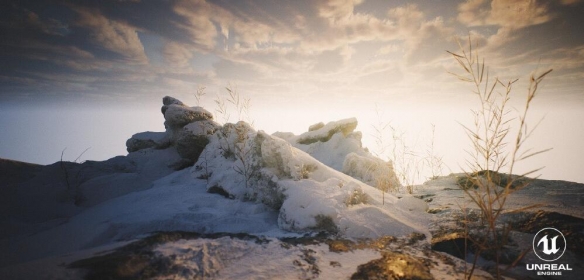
227 258
371 170
338 146
180 115
412 203
206 127
175 202
323 133
307 193
150 135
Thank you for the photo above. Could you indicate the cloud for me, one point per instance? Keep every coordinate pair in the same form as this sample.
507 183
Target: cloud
505 13
199 16
337 9
211 27
518 13
409 17
296 36
473 12
423 40
429 42
331 61
177 54
133 46
565 58
570 2
112 35
48 26
275 58
237 71
390 48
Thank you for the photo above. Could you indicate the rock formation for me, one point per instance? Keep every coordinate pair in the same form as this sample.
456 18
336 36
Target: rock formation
187 130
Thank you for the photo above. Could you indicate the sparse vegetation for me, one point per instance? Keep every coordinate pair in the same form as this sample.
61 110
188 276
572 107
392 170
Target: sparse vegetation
356 197
221 109
499 179
385 184
72 182
207 170
199 94
409 163
240 148
303 171
241 104
433 160
484 183
243 150
326 224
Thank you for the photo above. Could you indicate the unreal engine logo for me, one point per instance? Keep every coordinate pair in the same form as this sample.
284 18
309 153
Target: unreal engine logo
549 244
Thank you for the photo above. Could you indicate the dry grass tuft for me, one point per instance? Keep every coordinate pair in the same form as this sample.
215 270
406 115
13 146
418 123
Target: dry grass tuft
492 149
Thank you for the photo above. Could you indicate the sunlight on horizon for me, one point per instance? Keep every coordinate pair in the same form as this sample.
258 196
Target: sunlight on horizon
104 131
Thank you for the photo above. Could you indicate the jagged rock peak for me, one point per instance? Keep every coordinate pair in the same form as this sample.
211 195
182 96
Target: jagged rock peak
187 130
168 100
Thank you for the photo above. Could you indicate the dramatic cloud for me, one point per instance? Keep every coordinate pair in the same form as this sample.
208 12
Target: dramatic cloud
113 35
200 26
178 55
505 13
145 46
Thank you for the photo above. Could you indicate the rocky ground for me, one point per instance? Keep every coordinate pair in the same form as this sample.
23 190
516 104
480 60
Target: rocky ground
320 256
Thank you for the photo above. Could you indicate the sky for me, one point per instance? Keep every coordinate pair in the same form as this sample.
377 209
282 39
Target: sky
89 74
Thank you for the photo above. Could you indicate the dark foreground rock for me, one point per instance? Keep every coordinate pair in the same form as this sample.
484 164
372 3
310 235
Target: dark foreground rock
394 266
301 257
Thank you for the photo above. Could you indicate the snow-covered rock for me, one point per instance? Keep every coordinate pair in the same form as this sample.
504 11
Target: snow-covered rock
193 138
316 126
323 133
412 203
187 131
177 116
338 146
145 140
308 195
371 170
271 186
205 127
168 100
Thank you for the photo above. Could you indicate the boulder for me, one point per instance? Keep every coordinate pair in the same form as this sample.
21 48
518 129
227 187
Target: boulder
190 146
393 265
372 171
145 140
167 100
206 127
193 138
177 116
